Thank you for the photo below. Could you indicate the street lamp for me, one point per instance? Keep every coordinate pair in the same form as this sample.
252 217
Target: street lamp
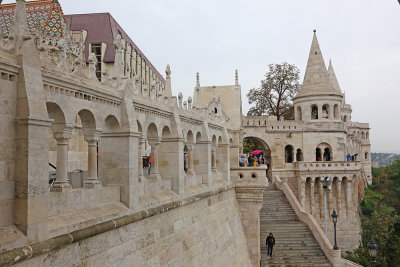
334 219
373 250
326 181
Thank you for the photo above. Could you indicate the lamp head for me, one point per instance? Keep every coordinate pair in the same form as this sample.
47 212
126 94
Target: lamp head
334 216
373 248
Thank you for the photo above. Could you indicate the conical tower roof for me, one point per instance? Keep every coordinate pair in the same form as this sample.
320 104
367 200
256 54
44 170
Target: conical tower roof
332 77
316 78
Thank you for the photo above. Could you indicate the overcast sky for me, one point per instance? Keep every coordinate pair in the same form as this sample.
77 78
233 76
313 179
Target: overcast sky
215 37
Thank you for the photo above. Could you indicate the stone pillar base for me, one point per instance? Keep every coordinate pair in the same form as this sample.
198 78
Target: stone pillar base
92 183
60 187
154 176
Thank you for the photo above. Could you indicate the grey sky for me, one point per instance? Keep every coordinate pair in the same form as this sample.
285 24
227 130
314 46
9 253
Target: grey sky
215 37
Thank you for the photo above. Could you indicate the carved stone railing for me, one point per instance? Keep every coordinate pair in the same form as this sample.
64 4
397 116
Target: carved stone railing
334 256
328 165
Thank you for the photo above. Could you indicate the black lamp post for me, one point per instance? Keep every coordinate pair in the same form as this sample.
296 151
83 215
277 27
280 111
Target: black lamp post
373 250
334 219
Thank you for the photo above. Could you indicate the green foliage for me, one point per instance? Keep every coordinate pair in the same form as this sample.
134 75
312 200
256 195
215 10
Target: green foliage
249 145
380 218
274 96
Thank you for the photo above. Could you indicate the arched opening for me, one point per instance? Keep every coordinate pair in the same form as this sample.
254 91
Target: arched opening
324 152
111 123
362 135
367 135
314 112
336 111
299 116
152 150
325 111
327 154
58 147
289 154
88 124
318 156
299 155
366 155
345 118
251 144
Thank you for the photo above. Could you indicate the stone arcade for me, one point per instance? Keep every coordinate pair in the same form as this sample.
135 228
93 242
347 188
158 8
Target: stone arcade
54 109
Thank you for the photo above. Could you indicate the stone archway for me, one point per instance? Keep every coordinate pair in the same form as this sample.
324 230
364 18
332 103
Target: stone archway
259 144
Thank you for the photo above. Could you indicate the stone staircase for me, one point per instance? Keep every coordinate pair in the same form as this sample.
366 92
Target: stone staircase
295 245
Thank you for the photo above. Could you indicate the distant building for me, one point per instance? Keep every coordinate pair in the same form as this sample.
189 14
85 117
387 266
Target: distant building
98 32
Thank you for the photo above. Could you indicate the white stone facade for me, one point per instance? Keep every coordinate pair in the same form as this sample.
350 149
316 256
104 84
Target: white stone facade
104 208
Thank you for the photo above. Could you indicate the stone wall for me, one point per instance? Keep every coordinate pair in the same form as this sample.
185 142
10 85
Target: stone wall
207 232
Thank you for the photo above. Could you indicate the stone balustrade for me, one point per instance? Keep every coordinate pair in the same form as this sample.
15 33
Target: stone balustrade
328 166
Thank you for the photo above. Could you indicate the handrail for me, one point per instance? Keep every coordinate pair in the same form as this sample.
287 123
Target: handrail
51 165
334 256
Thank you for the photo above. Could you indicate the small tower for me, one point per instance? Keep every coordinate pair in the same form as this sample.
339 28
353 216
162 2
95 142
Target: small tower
320 97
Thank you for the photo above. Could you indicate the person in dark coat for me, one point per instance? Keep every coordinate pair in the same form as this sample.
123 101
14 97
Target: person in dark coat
270 242
251 160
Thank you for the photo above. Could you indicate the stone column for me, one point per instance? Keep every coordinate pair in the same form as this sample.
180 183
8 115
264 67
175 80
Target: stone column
339 197
302 193
312 208
92 180
154 142
348 198
330 202
140 160
321 200
190 170
250 199
214 159
61 183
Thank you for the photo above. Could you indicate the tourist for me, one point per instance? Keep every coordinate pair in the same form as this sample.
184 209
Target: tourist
241 163
251 160
149 164
255 160
355 156
319 158
270 242
348 157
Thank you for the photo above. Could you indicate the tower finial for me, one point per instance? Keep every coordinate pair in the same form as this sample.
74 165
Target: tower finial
198 80
314 30
236 77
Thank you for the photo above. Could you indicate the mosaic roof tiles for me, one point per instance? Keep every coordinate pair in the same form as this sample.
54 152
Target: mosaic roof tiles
47 14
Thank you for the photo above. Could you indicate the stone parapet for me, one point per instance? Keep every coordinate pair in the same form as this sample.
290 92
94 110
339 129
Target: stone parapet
328 166
203 228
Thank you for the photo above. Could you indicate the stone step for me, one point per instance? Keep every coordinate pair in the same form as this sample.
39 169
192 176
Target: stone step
295 244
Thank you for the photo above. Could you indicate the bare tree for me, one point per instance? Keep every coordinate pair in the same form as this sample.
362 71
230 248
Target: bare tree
274 97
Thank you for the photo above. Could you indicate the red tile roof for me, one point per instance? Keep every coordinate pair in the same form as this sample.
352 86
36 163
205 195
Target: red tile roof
102 28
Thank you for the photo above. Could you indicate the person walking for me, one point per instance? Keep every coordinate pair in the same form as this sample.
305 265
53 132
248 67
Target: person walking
270 242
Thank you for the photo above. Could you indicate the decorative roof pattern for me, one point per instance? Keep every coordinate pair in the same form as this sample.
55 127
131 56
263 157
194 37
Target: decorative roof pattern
47 13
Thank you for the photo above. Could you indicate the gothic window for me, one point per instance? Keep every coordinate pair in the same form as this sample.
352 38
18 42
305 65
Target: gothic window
314 112
318 154
299 155
96 49
327 154
336 111
366 155
289 154
325 111
299 115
